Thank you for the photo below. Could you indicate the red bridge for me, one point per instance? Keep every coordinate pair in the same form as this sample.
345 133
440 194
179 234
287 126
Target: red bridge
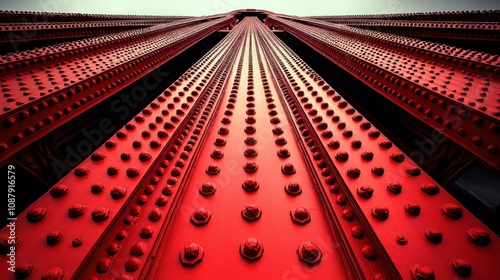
250 145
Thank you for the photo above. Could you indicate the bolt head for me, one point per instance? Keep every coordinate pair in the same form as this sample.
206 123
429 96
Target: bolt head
251 249
300 215
293 188
251 212
309 253
191 255
201 216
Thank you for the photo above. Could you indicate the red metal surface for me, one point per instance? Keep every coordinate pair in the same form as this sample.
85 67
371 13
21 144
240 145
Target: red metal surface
249 166
460 105
41 98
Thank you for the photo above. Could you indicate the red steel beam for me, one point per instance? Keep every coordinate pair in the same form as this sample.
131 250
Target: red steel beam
40 99
455 96
463 30
20 32
248 166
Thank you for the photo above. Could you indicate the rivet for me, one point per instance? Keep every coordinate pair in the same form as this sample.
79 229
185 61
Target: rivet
54 273
430 188
357 232
462 267
53 237
250 185
201 216
365 191
23 271
250 152
368 252
380 212
401 240
452 210
59 190
309 253
213 169
251 249
288 168
36 214
76 210
412 209
478 236
433 235
300 215
422 272
353 172
342 156
251 212
207 189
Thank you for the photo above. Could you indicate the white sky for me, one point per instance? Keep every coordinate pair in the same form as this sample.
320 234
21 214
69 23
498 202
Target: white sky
208 7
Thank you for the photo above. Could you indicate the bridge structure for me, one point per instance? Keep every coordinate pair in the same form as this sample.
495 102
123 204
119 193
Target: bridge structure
250 145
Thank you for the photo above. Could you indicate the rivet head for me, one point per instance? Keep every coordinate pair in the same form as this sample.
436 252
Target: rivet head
348 214
288 168
380 213
36 214
422 272
250 152
369 252
138 249
365 191
452 210
207 189
277 130
96 188
144 156
97 156
191 255
462 267
146 232
23 271
367 155
251 249
250 129
280 141
283 153
81 171
251 212
357 232
300 215
430 188
220 141
293 188
132 264
217 154
59 190
412 209
378 170
201 216
213 169
397 157
250 167
155 215
223 130
100 214
132 172
76 210
401 240
250 140
118 192
54 273
334 144
433 235
342 156
478 236
111 171
103 265
309 253
394 188
353 172
53 237
250 185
